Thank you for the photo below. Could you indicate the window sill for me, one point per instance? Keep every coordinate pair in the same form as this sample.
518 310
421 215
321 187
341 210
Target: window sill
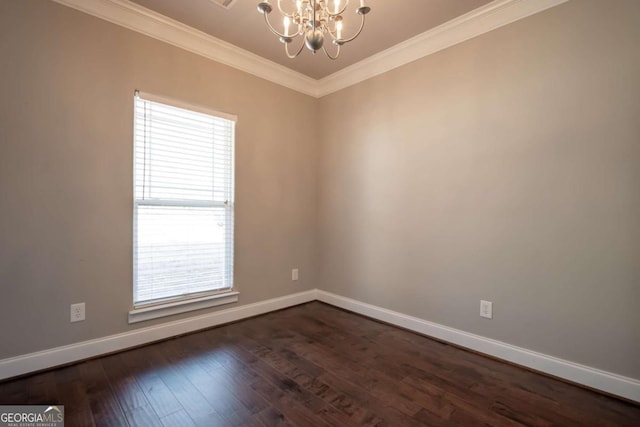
161 310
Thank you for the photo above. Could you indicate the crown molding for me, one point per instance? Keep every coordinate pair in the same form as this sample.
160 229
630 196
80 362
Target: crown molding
493 15
479 21
142 20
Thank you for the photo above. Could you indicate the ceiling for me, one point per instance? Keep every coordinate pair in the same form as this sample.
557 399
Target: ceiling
389 23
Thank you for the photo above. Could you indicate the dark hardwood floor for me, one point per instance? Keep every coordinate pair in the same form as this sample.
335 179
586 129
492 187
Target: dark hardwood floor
311 365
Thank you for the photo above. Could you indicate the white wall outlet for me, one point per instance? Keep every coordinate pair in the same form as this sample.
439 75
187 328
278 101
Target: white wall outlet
294 274
77 312
486 309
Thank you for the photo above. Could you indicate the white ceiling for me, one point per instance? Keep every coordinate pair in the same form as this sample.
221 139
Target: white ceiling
389 23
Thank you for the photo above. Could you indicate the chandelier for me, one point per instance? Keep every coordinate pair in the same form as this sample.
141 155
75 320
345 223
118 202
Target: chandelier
314 20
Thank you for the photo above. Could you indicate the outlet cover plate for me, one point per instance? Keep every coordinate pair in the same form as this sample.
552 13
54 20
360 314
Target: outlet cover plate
77 312
486 309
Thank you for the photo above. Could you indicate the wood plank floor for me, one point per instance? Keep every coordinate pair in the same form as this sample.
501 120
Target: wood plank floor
311 365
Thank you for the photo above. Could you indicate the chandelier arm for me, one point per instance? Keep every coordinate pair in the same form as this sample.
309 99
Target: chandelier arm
290 56
333 58
274 31
290 15
343 41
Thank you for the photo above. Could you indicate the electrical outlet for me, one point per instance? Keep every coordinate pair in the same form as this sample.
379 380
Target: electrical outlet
77 312
294 274
486 309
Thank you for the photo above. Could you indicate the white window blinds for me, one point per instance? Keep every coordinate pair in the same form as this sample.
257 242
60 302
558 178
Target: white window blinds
183 207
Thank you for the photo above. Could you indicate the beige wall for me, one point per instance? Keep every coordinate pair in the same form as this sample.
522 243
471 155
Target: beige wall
66 120
505 168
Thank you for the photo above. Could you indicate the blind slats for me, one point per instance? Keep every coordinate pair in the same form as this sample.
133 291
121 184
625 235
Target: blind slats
183 190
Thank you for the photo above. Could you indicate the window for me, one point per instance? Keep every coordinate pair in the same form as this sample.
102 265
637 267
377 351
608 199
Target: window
183 207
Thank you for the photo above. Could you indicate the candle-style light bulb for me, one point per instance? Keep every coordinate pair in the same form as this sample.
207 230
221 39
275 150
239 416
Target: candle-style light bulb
337 5
339 29
286 25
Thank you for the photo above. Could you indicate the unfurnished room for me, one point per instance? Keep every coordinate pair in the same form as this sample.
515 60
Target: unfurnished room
319 213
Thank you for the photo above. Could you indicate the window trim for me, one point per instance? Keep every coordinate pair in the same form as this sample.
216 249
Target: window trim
185 105
181 304
177 306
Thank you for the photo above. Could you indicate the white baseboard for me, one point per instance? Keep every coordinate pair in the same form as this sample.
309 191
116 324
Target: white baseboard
618 385
45 359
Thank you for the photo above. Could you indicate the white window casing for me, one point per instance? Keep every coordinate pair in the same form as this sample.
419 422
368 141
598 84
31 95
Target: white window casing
183 206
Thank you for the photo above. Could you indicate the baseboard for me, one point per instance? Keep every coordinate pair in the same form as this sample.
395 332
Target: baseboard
608 382
614 384
33 362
